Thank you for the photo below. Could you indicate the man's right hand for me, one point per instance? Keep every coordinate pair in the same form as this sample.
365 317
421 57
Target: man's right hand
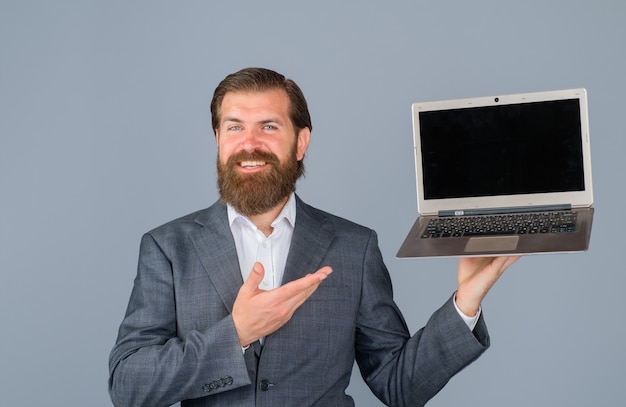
258 313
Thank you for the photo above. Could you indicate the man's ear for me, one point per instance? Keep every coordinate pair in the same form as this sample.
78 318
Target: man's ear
304 137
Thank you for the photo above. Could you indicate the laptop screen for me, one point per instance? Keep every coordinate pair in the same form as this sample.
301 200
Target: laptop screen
508 149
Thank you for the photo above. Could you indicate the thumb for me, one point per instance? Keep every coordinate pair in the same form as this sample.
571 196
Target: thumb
255 277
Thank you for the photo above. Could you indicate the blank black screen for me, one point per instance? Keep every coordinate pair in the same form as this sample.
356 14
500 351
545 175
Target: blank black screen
502 150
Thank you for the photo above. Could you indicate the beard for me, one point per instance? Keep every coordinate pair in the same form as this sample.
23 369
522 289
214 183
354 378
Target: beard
254 194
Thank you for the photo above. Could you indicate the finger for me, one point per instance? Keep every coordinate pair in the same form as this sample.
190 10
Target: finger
504 262
323 273
310 280
511 260
302 293
296 292
475 263
254 278
300 297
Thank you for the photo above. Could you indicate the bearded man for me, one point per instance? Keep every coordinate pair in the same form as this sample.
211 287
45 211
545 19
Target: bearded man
263 300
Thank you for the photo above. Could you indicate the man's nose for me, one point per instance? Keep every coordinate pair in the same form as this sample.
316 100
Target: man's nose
251 140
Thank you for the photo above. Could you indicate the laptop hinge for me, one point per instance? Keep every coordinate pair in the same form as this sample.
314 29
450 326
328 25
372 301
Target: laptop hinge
491 211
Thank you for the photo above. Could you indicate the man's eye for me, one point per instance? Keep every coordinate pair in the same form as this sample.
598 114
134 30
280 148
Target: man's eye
269 127
234 128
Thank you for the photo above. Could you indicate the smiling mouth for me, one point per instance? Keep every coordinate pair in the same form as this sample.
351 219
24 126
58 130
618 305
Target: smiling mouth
251 164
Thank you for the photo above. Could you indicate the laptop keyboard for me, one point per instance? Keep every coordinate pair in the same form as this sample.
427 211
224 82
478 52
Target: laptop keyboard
508 224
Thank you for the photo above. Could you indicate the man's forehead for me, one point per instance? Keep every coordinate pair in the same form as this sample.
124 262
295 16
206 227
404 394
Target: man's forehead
276 95
270 102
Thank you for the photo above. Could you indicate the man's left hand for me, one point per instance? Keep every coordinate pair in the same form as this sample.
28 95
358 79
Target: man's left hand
476 276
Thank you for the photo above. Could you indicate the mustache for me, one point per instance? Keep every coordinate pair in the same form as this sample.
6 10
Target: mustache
255 155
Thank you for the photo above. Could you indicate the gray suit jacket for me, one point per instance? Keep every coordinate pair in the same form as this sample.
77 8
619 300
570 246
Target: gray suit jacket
178 342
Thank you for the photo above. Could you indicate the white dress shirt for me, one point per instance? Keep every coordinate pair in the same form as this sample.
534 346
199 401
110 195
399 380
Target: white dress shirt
252 245
271 251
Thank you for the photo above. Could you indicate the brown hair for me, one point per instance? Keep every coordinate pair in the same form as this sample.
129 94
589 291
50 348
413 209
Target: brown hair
260 80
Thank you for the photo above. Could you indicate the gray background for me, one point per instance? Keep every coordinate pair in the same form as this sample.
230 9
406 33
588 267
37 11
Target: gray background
105 133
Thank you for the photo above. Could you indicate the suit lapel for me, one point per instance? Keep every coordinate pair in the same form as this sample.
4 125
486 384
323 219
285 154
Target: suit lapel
309 243
216 250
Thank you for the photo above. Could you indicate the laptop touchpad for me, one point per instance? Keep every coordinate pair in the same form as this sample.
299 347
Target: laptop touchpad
491 243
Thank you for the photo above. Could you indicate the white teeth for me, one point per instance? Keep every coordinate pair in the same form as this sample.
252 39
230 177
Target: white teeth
252 163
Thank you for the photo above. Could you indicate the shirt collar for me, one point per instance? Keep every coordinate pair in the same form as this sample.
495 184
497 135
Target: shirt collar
288 212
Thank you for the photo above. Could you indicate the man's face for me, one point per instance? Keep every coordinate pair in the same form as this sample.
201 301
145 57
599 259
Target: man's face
258 150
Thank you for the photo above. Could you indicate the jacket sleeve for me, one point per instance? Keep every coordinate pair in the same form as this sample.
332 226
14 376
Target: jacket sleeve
404 370
151 364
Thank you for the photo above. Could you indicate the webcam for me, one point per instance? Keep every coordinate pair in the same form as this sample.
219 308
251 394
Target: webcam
496 100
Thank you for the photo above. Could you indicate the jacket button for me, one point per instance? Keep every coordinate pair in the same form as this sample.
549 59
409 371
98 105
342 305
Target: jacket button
217 383
264 385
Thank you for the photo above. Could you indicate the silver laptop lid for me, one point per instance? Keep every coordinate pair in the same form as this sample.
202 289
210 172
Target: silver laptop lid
503 151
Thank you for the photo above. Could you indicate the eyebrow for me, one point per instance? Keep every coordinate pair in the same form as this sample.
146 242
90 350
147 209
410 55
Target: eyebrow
264 121
231 119
271 120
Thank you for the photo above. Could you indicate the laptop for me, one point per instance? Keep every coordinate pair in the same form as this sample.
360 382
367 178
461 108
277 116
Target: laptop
502 175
